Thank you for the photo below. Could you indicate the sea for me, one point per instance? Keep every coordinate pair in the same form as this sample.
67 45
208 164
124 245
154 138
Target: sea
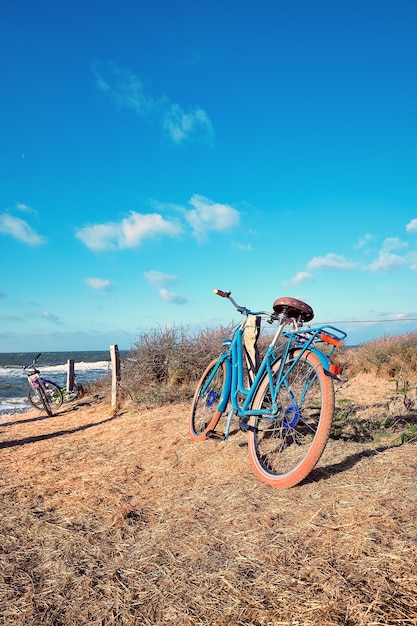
89 366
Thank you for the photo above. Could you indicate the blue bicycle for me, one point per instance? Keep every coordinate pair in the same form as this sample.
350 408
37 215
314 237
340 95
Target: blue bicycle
287 406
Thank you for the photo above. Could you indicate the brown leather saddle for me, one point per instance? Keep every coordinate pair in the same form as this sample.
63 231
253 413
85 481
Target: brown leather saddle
293 308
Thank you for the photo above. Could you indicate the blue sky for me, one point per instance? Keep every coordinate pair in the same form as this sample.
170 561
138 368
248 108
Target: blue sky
153 151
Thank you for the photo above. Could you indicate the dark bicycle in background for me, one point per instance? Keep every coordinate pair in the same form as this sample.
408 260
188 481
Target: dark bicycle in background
46 395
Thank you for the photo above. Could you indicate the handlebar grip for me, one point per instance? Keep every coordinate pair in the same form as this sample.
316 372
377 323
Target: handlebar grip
222 294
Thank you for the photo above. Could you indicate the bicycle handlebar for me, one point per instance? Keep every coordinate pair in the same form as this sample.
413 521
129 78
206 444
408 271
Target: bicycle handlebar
222 294
242 309
32 365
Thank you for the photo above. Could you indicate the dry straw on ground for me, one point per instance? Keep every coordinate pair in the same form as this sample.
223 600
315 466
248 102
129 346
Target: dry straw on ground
122 519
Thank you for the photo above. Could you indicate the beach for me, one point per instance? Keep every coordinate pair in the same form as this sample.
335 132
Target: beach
114 516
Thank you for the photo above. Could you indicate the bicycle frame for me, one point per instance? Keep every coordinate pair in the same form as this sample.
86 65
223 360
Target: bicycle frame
296 341
34 376
37 383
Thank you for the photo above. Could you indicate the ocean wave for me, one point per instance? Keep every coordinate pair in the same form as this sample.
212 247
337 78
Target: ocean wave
14 405
83 366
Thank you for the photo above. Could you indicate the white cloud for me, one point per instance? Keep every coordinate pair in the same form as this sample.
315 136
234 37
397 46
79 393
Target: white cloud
364 241
46 315
19 229
100 236
124 88
210 216
302 277
394 243
159 279
412 259
129 233
332 261
25 208
101 284
243 247
127 91
412 226
386 262
181 125
174 298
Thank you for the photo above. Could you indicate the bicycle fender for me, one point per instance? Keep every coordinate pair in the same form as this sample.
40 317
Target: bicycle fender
323 358
329 368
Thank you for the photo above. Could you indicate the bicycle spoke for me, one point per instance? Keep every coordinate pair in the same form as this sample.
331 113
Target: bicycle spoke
288 440
204 411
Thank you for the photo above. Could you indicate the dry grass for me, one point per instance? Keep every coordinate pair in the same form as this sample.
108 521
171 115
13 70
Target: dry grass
122 519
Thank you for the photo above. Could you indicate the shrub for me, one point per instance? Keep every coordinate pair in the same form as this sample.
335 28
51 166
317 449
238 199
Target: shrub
164 364
393 357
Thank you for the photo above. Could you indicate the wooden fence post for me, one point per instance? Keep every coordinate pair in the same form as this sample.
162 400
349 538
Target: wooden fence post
70 374
115 372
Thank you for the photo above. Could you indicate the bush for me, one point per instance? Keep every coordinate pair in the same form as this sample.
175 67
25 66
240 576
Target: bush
392 357
164 364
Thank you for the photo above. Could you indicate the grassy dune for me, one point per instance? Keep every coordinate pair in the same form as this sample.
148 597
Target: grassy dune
117 517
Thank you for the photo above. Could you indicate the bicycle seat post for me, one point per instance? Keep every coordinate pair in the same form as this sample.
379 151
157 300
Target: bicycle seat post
282 321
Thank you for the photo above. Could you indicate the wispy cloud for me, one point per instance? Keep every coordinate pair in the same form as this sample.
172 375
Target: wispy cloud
127 91
181 125
173 298
45 315
162 281
394 243
130 232
389 258
100 284
243 247
25 208
20 230
412 259
159 279
331 261
207 216
412 226
302 277
387 261
364 241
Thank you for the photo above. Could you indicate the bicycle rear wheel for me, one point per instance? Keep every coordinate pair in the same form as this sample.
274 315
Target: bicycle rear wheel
53 396
205 413
284 448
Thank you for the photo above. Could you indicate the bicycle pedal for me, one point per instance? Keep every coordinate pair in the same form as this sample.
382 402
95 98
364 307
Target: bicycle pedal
215 434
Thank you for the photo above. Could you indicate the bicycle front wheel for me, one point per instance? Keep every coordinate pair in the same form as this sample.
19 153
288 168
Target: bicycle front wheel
53 396
284 447
205 412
